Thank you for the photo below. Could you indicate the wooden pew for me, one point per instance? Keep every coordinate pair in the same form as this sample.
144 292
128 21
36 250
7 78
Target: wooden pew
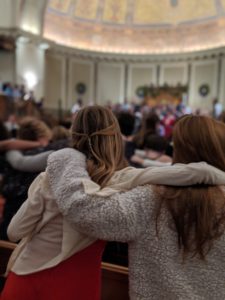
114 277
3 108
114 282
6 249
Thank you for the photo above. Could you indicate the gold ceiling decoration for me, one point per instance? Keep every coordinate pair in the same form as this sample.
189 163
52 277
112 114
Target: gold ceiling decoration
136 26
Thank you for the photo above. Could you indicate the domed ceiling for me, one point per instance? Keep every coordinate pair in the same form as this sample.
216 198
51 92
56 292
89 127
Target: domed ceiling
136 26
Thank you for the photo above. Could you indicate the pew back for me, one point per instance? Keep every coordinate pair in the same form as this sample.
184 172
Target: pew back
114 282
114 277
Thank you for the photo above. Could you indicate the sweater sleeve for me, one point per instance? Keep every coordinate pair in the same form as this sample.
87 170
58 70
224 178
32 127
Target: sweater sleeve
154 163
29 214
175 175
28 163
184 175
117 217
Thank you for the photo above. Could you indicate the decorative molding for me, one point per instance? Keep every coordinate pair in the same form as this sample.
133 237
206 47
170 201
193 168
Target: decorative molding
112 57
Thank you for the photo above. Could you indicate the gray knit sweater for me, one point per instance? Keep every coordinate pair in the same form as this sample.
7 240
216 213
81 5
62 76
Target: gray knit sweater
156 270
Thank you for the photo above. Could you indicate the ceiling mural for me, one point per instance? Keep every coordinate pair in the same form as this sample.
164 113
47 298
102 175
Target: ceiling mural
136 26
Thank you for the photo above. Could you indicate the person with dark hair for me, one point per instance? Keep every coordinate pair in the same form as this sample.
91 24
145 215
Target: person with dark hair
149 126
127 122
154 152
176 235
4 135
155 142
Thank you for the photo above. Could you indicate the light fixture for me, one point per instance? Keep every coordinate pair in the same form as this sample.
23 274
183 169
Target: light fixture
31 79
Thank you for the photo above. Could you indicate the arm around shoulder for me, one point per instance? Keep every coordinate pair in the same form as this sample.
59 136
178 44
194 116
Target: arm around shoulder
28 163
118 217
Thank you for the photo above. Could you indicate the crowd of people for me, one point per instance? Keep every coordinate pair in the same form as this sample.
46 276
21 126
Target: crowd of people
18 96
89 194
16 92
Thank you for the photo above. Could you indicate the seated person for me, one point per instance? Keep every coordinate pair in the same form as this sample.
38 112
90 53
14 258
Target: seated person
32 162
16 183
6 143
154 152
60 133
127 123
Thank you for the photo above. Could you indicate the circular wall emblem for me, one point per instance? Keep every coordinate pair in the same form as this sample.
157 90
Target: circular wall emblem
80 88
142 91
204 90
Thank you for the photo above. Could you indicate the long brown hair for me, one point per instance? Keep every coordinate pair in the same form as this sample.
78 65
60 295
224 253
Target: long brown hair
96 133
148 127
198 212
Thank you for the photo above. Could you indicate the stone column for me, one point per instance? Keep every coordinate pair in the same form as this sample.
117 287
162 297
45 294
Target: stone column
30 66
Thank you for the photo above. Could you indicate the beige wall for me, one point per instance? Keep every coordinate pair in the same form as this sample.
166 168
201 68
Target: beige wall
54 82
80 72
203 72
139 75
9 13
222 83
30 58
173 73
58 73
110 83
7 66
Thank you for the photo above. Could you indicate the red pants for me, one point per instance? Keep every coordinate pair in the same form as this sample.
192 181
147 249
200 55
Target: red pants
77 278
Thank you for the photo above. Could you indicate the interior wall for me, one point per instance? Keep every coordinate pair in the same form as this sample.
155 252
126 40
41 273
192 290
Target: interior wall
110 83
80 72
222 82
140 75
54 82
7 66
30 58
32 15
203 73
9 13
173 74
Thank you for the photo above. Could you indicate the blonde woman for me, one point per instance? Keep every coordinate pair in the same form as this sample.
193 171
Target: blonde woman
54 260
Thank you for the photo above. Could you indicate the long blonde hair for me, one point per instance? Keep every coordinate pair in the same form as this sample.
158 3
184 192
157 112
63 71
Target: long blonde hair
96 133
